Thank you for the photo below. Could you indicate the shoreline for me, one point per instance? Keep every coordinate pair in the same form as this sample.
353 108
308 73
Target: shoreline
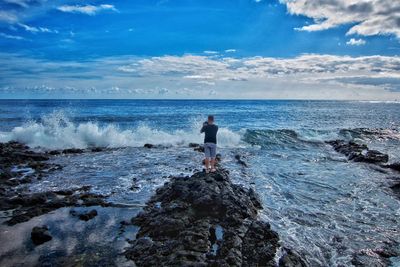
22 207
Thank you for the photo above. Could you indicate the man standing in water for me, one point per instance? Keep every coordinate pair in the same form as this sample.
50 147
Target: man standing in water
210 143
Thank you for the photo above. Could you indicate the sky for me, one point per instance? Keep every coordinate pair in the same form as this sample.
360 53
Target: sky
223 49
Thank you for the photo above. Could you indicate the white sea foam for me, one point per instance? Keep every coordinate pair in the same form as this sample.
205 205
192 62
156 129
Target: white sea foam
56 131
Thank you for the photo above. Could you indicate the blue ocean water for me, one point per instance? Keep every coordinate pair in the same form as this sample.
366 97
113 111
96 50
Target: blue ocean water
323 206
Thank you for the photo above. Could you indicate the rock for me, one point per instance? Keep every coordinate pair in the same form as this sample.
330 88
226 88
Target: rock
96 149
240 161
394 166
358 153
86 216
148 146
193 145
291 259
203 220
73 151
40 235
199 149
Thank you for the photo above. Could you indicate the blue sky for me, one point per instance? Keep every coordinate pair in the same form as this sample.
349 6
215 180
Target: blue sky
338 49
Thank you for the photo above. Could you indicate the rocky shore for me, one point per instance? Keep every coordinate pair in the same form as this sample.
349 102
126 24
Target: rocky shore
206 220
20 165
361 153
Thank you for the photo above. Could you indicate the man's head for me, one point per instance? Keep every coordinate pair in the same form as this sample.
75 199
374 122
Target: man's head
210 119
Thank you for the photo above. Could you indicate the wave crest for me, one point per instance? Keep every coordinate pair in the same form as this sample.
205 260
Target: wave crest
56 131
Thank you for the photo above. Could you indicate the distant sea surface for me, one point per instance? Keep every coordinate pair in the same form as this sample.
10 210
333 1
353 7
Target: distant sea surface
321 205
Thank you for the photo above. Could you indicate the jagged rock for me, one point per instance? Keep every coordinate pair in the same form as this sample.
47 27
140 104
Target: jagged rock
85 216
358 152
73 151
240 161
394 166
148 145
193 145
199 149
40 235
291 259
179 225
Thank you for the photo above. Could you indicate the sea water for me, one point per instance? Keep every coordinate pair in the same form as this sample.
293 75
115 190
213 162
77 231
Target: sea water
322 206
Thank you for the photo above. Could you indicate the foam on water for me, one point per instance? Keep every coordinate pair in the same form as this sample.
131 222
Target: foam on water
57 131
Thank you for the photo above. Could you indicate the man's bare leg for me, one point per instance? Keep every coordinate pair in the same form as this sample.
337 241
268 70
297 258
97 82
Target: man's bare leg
207 164
213 165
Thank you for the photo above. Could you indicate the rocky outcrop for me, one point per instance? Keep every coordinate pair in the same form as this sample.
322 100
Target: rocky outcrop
203 220
359 152
85 216
27 206
40 235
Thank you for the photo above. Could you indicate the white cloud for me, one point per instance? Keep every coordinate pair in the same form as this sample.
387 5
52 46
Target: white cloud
356 42
230 50
14 37
7 17
210 52
306 76
86 9
367 17
36 29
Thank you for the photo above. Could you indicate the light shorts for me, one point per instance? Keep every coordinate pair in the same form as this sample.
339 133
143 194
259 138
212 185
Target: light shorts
210 150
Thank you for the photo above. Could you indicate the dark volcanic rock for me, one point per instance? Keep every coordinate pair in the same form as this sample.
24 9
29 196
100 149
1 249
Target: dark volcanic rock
358 152
148 146
29 206
291 259
194 145
199 149
88 215
203 220
40 235
394 166
240 161
73 151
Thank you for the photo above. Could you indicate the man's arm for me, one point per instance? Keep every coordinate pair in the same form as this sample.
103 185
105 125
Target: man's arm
203 129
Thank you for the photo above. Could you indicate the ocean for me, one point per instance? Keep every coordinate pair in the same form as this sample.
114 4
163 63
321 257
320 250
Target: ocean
321 205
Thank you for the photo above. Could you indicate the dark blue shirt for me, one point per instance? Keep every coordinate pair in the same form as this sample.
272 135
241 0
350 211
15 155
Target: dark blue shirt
210 131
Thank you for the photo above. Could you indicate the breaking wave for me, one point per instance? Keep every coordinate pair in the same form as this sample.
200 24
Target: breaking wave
56 131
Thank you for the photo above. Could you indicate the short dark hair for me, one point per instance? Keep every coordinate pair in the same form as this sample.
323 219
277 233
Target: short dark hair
211 117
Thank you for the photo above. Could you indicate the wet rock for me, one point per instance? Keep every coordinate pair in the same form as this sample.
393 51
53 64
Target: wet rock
396 189
148 146
85 216
358 152
291 259
193 145
178 226
40 235
73 151
240 161
394 166
96 149
199 149
27 206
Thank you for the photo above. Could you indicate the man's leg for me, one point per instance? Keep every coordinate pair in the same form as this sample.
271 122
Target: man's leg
213 154
207 154
207 163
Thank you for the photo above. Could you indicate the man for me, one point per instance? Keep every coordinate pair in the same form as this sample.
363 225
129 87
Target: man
210 143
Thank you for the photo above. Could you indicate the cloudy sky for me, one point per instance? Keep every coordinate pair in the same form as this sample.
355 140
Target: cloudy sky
256 49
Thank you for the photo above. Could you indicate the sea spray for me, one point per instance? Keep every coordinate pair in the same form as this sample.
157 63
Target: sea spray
57 131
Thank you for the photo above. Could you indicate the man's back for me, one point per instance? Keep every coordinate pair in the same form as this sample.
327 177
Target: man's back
210 131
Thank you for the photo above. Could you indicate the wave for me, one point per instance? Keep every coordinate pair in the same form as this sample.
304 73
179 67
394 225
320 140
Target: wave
266 138
57 131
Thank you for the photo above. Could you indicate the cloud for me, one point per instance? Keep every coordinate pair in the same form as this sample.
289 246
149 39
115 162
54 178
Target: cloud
366 17
7 17
230 50
36 29
356 42
14 37
307 76
86 9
